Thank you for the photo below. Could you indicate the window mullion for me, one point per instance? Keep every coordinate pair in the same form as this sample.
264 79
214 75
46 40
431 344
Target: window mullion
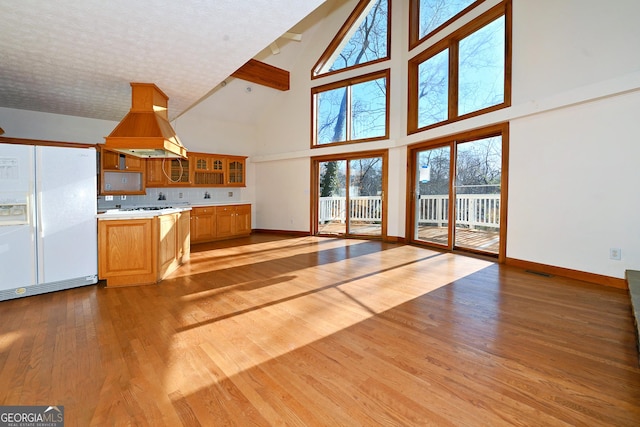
348 117
453 79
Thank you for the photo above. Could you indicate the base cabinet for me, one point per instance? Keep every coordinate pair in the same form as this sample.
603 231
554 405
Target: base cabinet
203 224
142 251
220 222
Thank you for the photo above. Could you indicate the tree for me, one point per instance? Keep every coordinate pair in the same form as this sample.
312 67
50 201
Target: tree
329 182
366 176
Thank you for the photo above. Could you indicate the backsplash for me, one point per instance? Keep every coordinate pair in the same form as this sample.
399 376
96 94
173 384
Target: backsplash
174 197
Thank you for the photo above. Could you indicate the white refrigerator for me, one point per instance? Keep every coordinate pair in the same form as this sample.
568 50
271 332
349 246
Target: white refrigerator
48 228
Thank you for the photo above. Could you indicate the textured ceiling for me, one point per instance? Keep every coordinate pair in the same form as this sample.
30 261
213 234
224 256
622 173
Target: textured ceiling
78 57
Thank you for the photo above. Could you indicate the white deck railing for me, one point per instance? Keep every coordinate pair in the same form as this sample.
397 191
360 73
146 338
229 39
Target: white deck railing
364 208
472 210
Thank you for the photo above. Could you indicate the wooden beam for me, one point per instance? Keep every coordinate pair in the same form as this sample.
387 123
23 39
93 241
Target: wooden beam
263 74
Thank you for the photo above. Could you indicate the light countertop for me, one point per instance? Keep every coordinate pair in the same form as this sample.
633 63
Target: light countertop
138 214
135 212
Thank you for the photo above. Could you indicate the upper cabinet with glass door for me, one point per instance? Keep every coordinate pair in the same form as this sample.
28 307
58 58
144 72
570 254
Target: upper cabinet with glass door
208 170
201 169
236 171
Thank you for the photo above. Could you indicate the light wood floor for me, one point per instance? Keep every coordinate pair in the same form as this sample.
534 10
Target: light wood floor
313 331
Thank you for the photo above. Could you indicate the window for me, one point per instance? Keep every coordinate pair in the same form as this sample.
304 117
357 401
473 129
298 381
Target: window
433 96
481 68
466 74
363 39
429 16
352 110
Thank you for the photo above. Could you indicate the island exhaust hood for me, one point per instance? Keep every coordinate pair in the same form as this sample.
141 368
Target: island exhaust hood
145 131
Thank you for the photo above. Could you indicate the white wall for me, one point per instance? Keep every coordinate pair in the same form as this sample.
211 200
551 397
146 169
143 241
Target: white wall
53 127
573 191
282 195
562 45
200 133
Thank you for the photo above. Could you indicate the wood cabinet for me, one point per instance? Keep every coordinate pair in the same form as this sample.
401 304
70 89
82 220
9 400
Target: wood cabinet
243 220
142 251
233 221
167 172
155 174
203 224
208 170
121 174
201 169
236 172
112 160
220 222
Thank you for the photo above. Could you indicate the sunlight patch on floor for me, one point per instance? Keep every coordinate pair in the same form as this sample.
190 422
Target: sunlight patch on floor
302 306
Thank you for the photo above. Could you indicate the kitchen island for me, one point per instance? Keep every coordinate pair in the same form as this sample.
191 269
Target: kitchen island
143 246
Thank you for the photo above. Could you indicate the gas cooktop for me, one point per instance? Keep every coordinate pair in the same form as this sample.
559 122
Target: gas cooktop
147 208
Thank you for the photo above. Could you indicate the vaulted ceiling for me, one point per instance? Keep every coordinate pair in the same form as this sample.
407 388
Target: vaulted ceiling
77 57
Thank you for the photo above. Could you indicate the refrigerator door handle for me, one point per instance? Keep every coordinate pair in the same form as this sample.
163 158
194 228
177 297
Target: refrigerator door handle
39 237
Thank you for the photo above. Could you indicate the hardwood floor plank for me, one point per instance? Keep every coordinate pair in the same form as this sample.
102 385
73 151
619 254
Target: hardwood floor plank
273 330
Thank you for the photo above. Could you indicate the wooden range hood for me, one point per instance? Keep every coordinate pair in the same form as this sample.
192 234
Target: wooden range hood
145 131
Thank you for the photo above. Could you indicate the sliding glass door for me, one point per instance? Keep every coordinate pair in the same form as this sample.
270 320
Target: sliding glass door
349 198
332 201
477 188
458 192
432 188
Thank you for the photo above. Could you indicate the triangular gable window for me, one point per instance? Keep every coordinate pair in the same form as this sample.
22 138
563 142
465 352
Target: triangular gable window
363 39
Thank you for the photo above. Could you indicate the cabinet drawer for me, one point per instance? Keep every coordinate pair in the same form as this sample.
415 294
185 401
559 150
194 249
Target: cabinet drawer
203 211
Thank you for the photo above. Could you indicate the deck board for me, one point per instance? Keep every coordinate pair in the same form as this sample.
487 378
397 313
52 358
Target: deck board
488 241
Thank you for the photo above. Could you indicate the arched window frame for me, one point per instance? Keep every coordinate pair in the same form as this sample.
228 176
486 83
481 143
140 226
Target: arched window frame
343 35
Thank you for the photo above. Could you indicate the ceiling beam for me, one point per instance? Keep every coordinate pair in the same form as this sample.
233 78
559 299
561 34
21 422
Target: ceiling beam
263 74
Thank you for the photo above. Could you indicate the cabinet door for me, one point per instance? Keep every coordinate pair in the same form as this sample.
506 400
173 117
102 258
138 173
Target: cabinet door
236 172
243 220
112 160
225 221
203 224
133 163
208 170
155 175
109 160
127 250
178 172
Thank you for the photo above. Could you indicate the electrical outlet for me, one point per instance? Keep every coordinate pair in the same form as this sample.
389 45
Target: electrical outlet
615 253
123 197
230 193
108 198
